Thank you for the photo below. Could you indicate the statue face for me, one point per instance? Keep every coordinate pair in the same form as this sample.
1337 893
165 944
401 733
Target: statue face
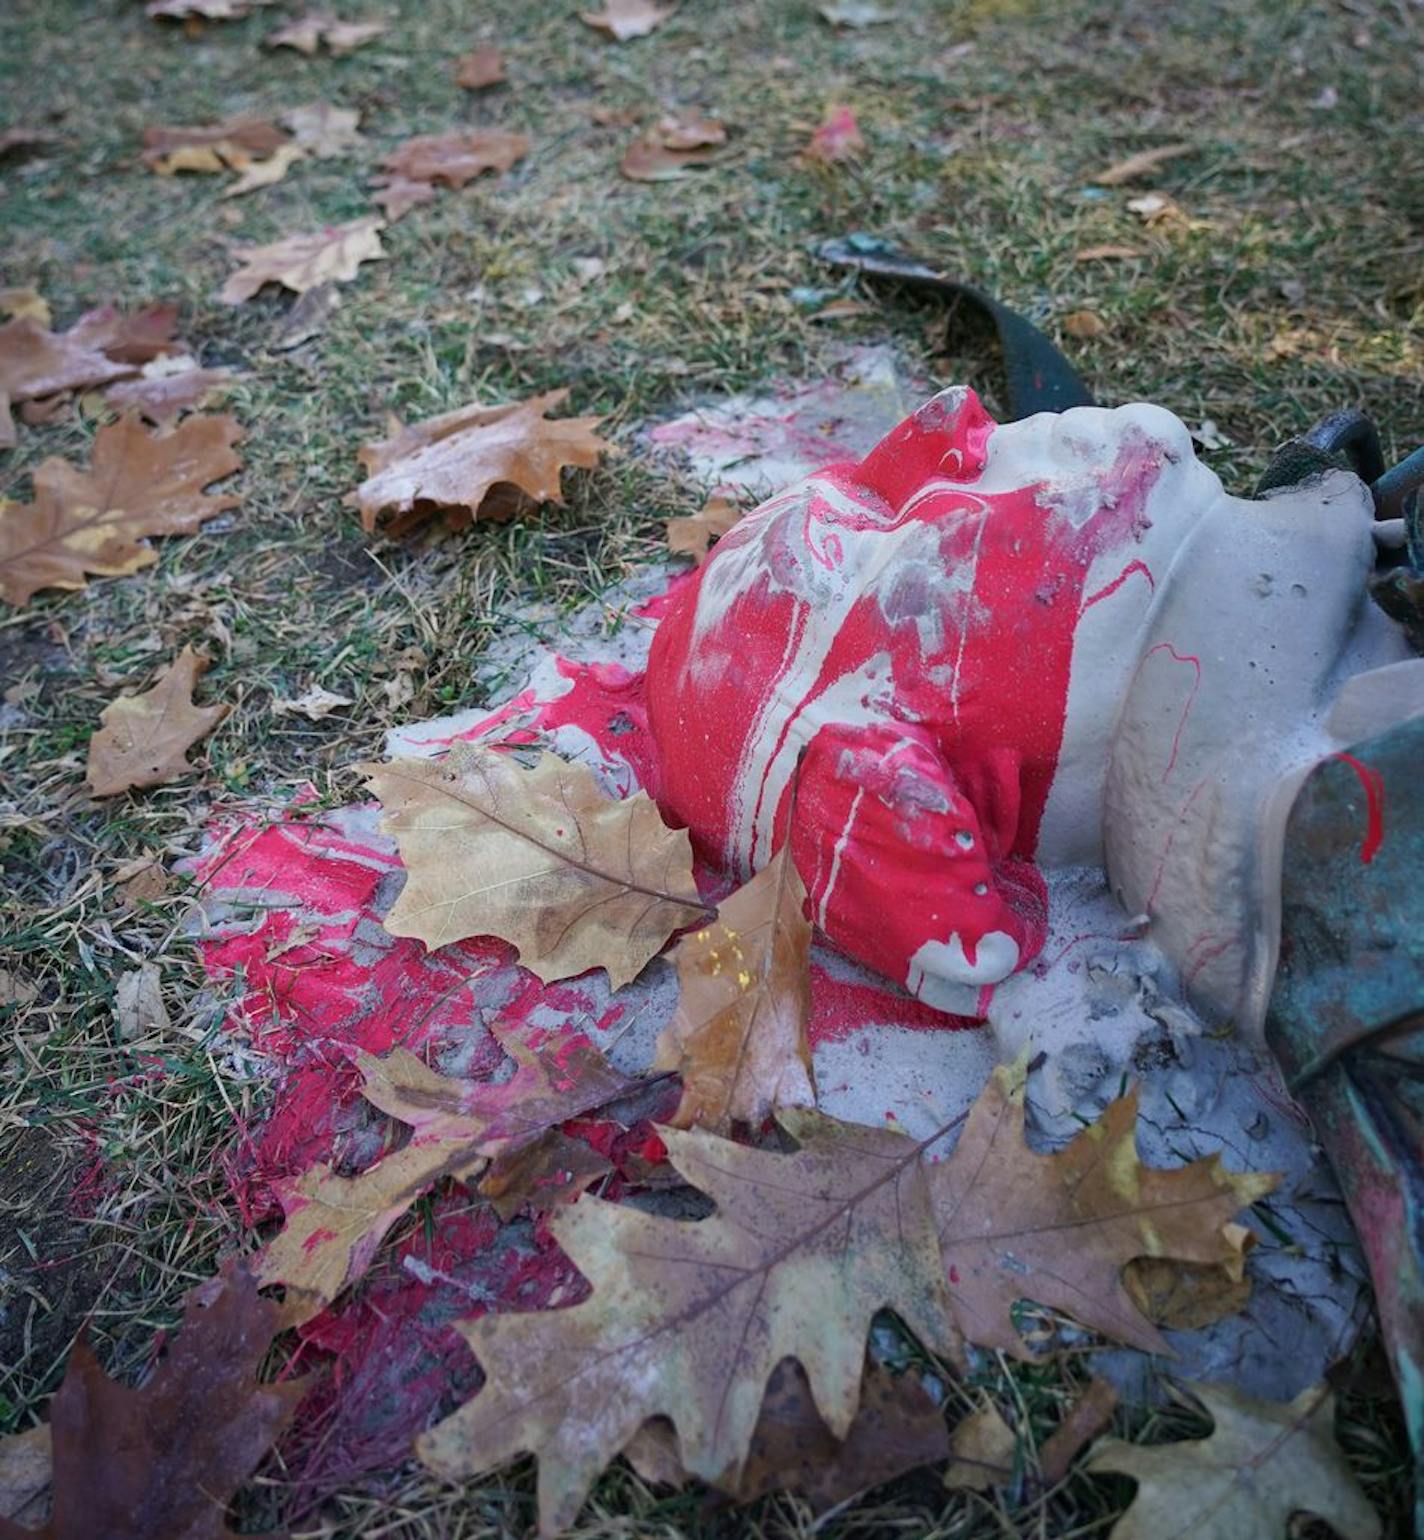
987 654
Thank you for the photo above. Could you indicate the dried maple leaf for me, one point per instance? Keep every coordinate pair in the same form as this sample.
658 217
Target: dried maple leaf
133 336
97 521
307 33
624 19
398 197
102 345
674 147
301 262
647 160
454 460
144 739
1138 165
334 1224
455 158
166 1460
541 858
738 1038
166 388
688 1320
838 138
233 144
324 131
1264 1462
693 535
480 68
1059 1228
264 173
202 10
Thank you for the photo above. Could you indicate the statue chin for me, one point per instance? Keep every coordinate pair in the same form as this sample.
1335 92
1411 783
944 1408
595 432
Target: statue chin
986 657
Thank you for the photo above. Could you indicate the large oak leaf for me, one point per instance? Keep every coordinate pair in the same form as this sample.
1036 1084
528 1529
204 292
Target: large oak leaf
335 1223
1060 1228
454 460
97 521
542 858
457 157
166 1460
688 1320
738 1038
1264 1462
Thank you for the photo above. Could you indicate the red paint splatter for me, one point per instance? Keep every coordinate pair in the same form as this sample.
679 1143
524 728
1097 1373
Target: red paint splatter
1373 783
1111 588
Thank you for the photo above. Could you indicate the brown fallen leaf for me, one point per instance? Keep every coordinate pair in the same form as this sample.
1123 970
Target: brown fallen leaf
139 1010
264 173
1108 253
167 1460
1140 164
102 345
675 147
1264 1462
168 387
687 1320
542 858
324 131
625 19
130 336
98 521
553 1170
738 1037
397 197
308 32
454 460
981 1450
24 1476
27 303
231 145
897 1428
144 880
693 535
301 262
455 158
1084 325
1059 1228
479 69
143 740
1089 1415
334 1223
837 139
202 10
1186 1296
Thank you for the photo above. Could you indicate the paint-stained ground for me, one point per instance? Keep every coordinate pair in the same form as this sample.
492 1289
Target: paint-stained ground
1289 285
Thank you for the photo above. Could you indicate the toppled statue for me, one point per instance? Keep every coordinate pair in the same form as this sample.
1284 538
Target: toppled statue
987 654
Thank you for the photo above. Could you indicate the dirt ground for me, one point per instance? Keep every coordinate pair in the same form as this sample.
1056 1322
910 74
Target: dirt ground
1290 282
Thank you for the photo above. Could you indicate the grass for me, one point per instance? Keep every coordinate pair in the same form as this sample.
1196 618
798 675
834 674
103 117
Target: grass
1291 288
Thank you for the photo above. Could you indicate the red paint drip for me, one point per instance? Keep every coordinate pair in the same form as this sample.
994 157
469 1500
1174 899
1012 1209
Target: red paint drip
1108 589
1373 782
